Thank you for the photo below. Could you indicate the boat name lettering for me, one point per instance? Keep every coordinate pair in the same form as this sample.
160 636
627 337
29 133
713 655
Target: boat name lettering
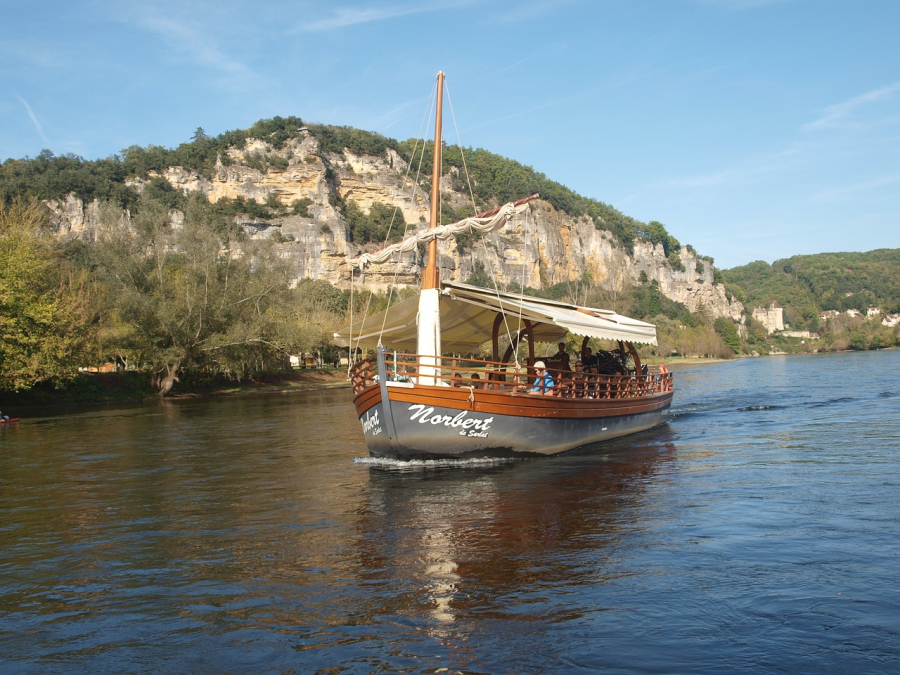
469 425
371 423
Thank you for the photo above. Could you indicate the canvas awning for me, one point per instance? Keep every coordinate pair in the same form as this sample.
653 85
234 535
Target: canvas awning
467 321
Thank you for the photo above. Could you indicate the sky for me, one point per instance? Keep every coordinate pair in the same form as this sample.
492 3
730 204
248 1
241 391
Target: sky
752 129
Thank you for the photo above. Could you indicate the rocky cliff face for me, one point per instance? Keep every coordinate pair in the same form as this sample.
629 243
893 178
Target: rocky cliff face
540 248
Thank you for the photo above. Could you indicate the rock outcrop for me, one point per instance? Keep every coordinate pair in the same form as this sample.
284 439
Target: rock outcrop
540 248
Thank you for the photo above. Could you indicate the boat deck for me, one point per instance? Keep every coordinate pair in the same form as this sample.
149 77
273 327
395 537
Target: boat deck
477 375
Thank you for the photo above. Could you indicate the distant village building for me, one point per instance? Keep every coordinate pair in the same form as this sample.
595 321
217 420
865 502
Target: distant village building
307 360
772 318
872 313
311 360
102 368
800 334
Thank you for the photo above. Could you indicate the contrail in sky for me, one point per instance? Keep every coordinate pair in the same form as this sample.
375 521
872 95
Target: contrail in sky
34 119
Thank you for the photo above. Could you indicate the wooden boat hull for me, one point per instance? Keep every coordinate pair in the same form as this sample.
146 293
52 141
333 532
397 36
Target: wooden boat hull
404 421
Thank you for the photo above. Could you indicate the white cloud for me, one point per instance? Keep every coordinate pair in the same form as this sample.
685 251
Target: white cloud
197 45
838 114
739 5
528 11
34 119
351 16
833 195
748 171
518 113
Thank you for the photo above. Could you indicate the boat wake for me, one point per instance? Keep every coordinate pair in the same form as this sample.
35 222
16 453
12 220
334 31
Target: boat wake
386 463
695 409
831 401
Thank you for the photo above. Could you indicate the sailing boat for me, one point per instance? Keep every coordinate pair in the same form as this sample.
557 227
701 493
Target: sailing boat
415 402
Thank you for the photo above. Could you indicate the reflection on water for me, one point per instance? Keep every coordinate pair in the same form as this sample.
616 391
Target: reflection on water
472 537
757 532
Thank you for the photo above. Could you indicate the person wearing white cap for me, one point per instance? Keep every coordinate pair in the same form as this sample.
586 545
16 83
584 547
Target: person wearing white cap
543 384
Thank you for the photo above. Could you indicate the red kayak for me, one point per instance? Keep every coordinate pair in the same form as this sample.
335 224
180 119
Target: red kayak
9 421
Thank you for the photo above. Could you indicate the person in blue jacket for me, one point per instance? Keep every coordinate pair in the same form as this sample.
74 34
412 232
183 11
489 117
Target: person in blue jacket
543 383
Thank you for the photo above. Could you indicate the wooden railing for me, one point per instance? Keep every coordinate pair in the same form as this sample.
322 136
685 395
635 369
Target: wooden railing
493 376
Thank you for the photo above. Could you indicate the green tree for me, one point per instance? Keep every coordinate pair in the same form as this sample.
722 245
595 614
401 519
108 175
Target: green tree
317 310
675 261
729 334
655 232
184 299
46 307
300 207
382 223
479 277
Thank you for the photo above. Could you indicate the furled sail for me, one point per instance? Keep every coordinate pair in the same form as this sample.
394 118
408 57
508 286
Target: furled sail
489 222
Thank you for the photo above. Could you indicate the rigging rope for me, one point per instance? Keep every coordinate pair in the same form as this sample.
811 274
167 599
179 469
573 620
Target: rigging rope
429 107
489 222
487 256
422 125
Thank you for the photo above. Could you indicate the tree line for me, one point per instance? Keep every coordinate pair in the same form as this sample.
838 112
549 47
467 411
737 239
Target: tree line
497 178
170 292
806 285
181 289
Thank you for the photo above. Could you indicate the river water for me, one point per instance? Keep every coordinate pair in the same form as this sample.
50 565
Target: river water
758 532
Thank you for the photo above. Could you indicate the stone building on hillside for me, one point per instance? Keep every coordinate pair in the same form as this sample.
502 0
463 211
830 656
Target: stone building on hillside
772 318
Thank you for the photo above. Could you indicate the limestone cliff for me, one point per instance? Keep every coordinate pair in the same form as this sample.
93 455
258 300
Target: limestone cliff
540 248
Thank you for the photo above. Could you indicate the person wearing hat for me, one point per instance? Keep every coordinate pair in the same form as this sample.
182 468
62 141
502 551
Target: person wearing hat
543 383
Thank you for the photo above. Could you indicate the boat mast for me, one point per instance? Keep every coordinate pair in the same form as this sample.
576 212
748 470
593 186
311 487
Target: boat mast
431 276
429 330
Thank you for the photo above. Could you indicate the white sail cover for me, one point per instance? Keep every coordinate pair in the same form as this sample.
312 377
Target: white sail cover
482 225
467 321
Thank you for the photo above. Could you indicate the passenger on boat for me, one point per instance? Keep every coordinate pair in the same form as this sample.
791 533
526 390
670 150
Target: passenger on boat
663 383
476 381
543 383
593 380
579 381
562 357
589 360
457 380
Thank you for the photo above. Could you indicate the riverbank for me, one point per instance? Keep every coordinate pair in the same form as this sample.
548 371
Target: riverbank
133 387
